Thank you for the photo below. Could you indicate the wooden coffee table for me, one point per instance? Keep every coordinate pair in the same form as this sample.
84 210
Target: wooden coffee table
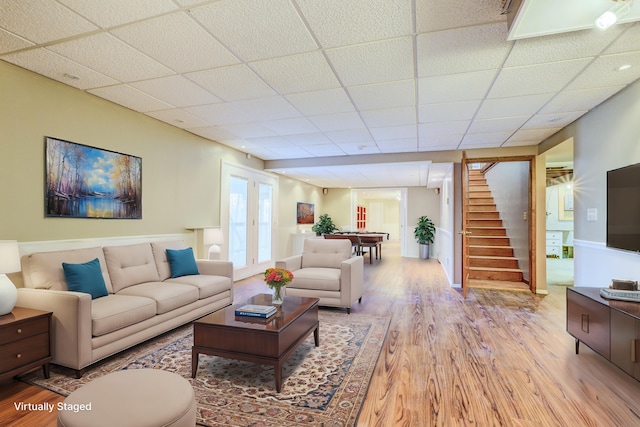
269 341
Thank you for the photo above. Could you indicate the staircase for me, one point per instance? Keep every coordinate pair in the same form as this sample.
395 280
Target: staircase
490 253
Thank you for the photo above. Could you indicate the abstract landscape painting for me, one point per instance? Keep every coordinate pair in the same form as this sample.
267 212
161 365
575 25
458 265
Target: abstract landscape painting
88 182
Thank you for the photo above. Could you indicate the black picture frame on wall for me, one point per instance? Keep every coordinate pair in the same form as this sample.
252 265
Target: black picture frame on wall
304 213
89 182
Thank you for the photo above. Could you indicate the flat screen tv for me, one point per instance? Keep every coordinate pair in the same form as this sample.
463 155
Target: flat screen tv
623 208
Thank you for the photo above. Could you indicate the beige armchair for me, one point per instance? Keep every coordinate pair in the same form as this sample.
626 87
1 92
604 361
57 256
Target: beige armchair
326 270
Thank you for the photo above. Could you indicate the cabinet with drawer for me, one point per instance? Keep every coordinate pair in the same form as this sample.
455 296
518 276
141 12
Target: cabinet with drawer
25 341
610 327
554 244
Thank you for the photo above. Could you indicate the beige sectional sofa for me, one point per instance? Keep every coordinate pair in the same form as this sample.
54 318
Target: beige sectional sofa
143 300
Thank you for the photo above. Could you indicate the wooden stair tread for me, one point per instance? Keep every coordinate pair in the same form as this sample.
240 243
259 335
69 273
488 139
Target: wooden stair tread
492 256
513 270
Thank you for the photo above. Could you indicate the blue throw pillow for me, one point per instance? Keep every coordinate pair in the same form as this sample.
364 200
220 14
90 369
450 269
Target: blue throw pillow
85 278
182 262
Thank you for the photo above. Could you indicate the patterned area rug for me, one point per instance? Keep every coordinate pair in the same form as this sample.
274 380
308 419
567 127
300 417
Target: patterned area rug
322 386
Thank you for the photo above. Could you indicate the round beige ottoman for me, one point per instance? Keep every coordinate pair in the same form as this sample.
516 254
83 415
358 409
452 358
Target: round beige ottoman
136 398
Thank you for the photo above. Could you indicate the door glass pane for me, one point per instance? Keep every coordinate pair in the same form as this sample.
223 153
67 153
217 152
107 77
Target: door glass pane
238 221
265 203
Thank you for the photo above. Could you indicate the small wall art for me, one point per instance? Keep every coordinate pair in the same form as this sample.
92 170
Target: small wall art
305 213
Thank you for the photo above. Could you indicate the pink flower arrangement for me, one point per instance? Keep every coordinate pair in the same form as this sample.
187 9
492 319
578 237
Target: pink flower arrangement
276 279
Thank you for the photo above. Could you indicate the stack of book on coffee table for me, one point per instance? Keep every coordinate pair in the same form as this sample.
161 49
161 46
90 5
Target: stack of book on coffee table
253 310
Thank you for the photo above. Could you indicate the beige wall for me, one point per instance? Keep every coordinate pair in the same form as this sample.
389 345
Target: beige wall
290 193
181 171
337 203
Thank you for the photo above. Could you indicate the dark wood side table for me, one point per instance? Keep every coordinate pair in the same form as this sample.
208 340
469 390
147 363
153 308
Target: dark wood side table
25 341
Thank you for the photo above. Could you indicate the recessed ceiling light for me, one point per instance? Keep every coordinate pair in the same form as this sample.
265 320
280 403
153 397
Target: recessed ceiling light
554 119
71 76
179 121
623 67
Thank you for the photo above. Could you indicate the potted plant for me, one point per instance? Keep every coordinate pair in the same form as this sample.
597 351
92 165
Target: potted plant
424 233
324 225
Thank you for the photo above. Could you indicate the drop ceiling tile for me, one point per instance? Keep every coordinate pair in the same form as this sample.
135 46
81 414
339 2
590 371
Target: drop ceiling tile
511 143
131 98
438 15
533 79
603 71
178 118
477 145
339 121
177 91
350 135
52 65
249 130
494 139
439 142
214 133
32 20
172 39
294 126
344 22
374 62
324 150
304 72
561 47
394 132
255 29
266 109
578 100
389 117
497 125
455 87
555 120
429 130
315 138
628 42
219 114
359 148
532 135
290 152
113 54
447 112
384 95
10 42
513 106
407 145
270 142
462 50
232 83
118 12
322 102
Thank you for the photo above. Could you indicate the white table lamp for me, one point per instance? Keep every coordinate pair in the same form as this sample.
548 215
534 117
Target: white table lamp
9 263
214 237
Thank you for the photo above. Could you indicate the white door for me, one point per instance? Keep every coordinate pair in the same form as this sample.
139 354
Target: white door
248 217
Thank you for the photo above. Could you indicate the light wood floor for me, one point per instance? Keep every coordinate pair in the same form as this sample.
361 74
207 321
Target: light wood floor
496 358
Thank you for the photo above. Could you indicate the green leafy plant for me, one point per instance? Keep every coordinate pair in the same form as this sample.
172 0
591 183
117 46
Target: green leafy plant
424 231
324 225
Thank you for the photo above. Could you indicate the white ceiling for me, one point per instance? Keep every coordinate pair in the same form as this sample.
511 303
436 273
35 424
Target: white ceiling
300 79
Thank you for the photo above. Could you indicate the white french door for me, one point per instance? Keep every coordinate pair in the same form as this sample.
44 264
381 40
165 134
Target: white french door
248 215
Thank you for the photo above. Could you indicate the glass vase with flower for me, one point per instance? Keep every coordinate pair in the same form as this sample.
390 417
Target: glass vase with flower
277 279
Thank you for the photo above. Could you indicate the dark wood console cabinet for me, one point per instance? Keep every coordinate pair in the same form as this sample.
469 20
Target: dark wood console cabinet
610 328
